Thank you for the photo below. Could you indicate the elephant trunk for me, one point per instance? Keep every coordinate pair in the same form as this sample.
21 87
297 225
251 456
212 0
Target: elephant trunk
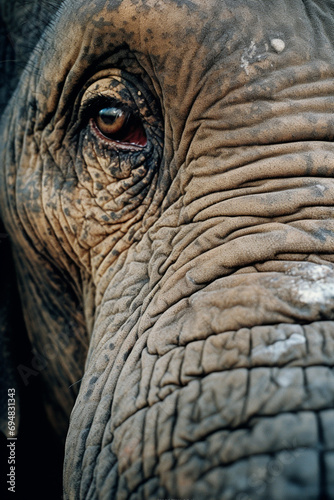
184 412
217 375
210 363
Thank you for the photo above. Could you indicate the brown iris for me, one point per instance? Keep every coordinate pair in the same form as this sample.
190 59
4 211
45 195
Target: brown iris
122 126
111 120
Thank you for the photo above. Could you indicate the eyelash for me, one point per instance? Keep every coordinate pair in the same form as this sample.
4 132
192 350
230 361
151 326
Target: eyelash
92 107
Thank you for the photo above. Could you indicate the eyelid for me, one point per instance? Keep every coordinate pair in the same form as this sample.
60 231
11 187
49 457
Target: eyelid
95 104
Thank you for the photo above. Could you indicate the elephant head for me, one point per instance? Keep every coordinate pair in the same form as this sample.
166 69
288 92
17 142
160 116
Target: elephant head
167 184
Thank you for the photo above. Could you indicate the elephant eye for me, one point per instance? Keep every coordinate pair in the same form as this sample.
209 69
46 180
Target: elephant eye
118 125
111 120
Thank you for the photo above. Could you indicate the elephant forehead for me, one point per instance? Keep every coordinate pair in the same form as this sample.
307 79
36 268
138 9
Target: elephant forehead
176 44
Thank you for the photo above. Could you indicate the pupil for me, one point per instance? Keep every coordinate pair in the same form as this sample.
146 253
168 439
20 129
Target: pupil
109 115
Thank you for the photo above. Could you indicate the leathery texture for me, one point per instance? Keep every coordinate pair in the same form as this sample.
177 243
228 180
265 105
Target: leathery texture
204 394
199 269
207 400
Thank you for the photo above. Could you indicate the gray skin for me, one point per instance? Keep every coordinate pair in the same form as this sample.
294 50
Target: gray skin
186 284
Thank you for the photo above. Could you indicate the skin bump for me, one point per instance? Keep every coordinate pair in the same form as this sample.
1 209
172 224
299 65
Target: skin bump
277 44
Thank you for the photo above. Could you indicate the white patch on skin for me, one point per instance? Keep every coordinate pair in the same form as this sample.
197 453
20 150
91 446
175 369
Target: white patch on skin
285 378
275 351
312 272
314 284
278 45
319 186
251 55
316 293
247 55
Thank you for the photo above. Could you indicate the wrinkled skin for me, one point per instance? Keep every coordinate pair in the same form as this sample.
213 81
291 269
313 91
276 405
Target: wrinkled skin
193 275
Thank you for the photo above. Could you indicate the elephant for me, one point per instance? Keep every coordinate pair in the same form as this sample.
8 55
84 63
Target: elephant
167 189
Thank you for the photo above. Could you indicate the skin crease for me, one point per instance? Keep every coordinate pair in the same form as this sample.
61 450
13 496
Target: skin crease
192 277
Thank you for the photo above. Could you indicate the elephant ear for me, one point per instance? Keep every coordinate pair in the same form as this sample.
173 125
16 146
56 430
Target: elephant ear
21 26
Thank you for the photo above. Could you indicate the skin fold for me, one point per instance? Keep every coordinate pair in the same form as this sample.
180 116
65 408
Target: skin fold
180 273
